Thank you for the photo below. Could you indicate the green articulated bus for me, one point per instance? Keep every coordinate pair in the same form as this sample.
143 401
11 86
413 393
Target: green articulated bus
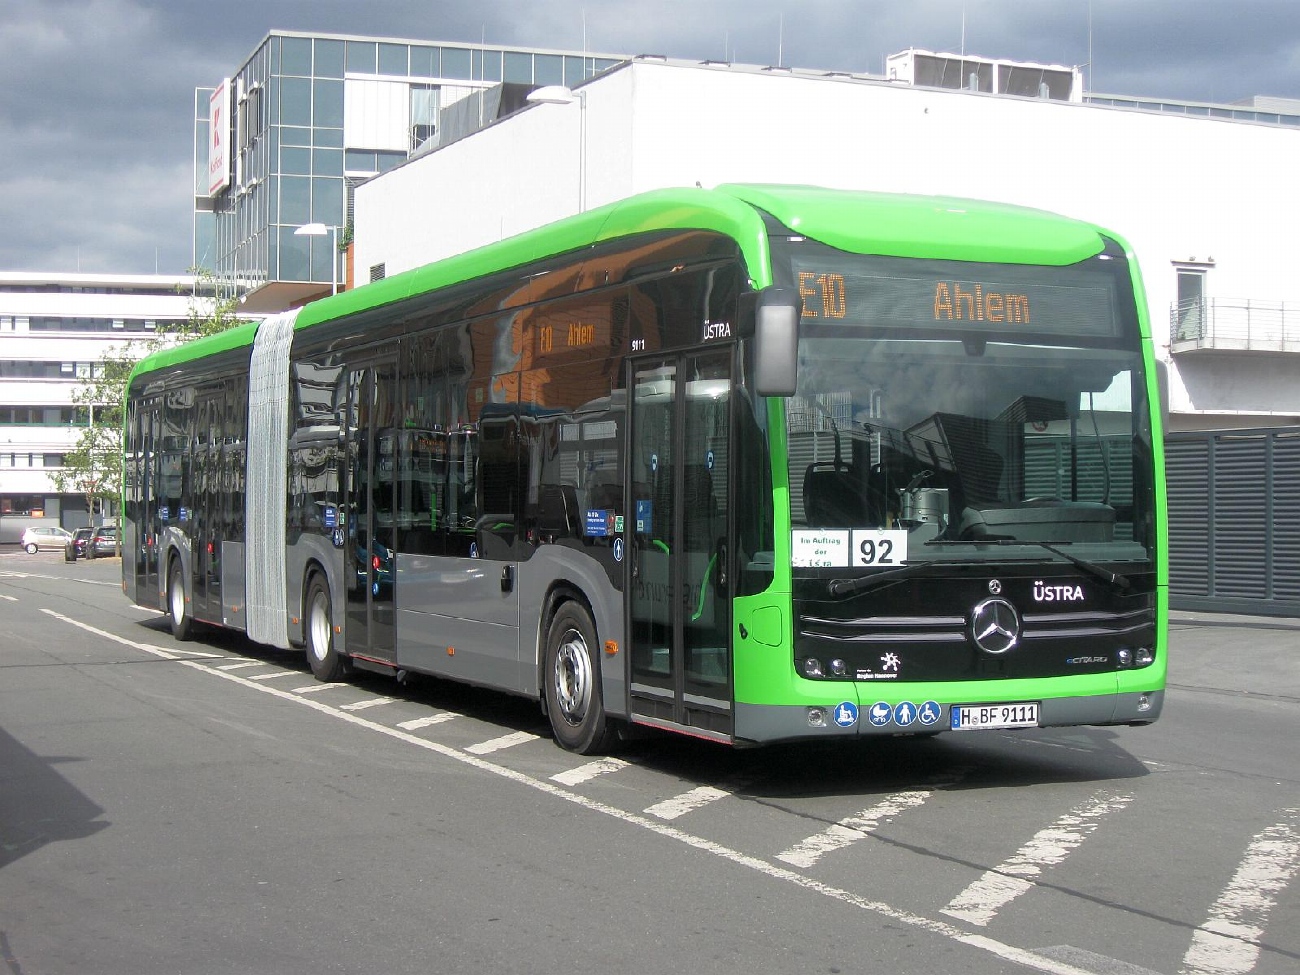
753 464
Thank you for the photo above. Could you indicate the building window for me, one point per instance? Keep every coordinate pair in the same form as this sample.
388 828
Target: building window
361 57
456 64
393 60
295 56
329 59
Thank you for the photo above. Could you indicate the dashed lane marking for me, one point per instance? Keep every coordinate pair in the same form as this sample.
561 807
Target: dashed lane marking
505 741
415 724
680 805
982 900
1228 942
851 829
585 773
370 702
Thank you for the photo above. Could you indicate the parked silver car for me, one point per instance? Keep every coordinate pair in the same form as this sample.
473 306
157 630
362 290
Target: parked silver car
44 536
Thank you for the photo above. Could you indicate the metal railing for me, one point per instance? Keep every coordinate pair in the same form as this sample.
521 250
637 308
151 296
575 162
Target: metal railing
1235 324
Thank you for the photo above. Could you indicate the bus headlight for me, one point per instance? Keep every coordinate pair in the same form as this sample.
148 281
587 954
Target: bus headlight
1143 657
838 667
812 667
816 717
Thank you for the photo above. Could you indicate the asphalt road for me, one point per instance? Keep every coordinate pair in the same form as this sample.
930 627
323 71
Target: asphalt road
208 807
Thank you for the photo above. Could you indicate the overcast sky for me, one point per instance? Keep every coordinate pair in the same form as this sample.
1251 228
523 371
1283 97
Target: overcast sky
96 95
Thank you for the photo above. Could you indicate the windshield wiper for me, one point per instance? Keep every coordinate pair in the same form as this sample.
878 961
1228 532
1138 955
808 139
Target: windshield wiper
1119 582
848 587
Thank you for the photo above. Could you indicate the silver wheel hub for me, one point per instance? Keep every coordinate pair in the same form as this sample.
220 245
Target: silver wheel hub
319 628
573 678
177 601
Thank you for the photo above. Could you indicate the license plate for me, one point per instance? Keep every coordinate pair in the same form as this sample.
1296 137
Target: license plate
973 717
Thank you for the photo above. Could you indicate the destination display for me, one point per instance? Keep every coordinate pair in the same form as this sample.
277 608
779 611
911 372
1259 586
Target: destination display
852 290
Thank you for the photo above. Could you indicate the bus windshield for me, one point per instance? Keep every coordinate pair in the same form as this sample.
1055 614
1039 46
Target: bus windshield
952 411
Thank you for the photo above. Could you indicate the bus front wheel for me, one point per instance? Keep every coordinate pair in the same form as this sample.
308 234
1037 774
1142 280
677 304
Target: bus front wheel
572 683
326 662
177 612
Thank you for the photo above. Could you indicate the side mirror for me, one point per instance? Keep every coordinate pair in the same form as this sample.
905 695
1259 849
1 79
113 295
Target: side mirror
776 342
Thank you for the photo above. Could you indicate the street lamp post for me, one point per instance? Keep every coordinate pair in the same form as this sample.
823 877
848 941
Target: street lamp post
320 230
563 95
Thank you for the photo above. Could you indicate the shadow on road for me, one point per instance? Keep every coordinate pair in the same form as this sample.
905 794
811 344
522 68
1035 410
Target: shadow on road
37 804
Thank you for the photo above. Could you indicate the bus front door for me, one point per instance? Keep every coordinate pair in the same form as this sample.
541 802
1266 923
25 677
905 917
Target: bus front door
678 563
368 496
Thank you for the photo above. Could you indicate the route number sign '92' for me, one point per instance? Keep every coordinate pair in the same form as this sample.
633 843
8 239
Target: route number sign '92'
839 548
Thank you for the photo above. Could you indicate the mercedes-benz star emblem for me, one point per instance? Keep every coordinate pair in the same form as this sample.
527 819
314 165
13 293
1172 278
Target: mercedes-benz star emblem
995 626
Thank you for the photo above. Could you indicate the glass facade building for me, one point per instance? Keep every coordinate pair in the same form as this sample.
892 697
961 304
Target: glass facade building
280 144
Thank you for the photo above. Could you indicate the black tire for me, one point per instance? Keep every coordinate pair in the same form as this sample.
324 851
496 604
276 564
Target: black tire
327 664
31 548
178 611
571 683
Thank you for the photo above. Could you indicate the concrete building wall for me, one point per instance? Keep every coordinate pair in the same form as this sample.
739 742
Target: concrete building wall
1219 193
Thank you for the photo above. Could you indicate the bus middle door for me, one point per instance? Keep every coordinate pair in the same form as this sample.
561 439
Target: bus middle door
368 499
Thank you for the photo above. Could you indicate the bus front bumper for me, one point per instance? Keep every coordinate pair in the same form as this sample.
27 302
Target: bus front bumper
918 716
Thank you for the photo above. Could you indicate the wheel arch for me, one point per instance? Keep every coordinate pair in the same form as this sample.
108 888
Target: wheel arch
312 569
560 592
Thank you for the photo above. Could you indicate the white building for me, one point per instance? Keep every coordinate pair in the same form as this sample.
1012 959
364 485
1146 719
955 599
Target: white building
54 329
1205 194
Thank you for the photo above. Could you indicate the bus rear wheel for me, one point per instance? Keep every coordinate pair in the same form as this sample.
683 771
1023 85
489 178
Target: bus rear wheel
327 664
177 612
572 683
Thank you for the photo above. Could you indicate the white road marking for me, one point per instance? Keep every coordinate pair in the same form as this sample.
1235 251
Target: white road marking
680 805
243 664
310 688
851 829
979 902
1228 942
1093 962
12 599
942 929
370 702
585 773
52 578
505 741
124 641
429 719
275 674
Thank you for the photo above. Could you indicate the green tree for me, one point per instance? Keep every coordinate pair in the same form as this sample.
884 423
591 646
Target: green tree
93 468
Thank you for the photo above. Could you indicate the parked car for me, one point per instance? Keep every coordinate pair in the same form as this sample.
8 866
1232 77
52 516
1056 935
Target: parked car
75 547
103 542
44 536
